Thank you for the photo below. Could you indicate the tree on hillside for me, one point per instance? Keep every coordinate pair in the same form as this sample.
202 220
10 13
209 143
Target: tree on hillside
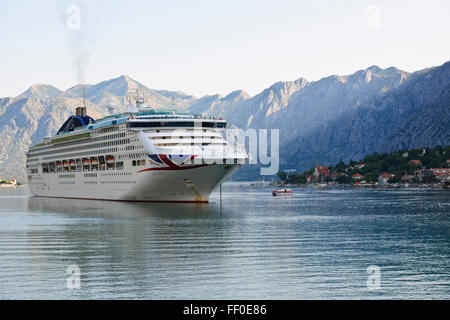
371 177
430 179
282 175
340 167
344 179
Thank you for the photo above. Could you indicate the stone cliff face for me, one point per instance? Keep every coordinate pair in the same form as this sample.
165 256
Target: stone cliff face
335 118
428 126
25 121
347 117
413 115
113 93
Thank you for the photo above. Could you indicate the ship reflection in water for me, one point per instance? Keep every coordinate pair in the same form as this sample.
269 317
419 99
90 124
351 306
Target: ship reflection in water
316 244
120 209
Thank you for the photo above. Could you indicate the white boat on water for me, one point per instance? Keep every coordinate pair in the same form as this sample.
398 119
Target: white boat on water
281 192
139 155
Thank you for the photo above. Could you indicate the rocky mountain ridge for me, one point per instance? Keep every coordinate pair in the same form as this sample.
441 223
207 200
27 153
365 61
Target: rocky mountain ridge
335 118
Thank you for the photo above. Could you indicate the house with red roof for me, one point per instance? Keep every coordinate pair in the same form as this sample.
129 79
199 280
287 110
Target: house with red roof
407 178
415 162
357 176
442 174
384 177
321 171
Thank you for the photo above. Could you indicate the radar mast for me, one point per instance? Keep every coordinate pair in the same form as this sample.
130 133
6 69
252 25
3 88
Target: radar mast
137 101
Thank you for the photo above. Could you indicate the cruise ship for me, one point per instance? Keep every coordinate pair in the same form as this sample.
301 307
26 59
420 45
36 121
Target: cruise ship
141 154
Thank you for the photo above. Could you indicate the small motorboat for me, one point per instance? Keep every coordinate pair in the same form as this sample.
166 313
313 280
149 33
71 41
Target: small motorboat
281 192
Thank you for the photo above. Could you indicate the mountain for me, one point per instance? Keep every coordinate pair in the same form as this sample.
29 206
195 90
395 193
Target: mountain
303 105
204 103
226 106
26 121
347 117
41 90
244 111
411 116
332 119
113 93
426 127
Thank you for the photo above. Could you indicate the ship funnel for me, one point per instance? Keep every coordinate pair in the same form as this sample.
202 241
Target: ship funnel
81 111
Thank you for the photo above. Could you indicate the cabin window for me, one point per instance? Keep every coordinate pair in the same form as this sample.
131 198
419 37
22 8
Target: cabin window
134 163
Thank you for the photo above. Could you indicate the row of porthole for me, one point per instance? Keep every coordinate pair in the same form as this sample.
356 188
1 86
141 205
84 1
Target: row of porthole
81 148
82 154
116 182
138 163
117 174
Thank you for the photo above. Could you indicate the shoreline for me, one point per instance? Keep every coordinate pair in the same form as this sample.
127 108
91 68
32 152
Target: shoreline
374 186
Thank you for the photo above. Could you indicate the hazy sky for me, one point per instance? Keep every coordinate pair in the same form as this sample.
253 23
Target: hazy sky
207 47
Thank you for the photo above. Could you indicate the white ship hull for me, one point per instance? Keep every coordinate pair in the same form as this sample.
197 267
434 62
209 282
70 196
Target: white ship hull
187 185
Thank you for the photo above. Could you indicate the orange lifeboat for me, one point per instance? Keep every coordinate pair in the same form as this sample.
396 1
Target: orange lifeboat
72 162
94 161
66 163
110 159
85 161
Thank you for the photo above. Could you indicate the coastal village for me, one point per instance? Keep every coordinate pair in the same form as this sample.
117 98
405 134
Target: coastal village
9 183
413 168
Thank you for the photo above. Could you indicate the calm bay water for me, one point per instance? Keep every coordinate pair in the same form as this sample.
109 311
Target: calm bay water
316 244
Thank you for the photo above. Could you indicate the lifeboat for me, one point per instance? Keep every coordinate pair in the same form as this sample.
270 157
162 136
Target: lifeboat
110 159
66 163
281 192
85 161
72 162
94 161
59 164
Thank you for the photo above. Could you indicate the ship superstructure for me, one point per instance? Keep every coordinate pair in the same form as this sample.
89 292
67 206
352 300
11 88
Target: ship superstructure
139 155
